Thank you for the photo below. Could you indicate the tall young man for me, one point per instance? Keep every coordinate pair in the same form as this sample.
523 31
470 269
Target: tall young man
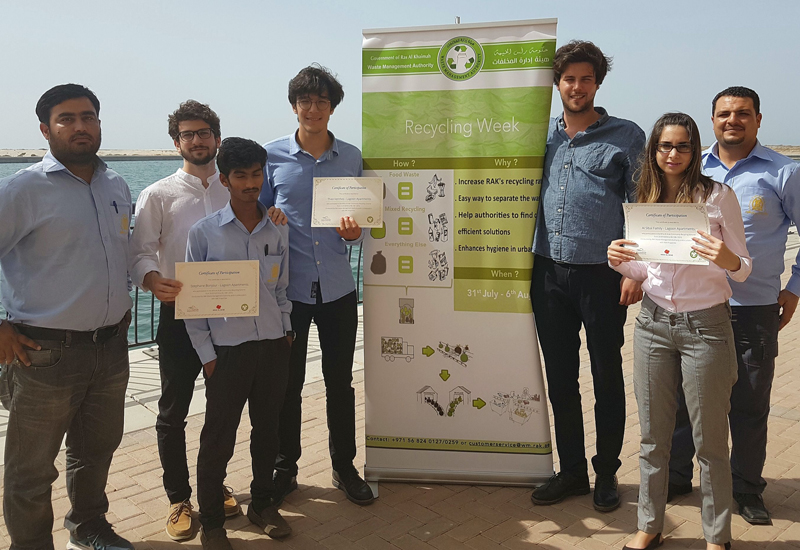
63 346
245 359
588 173
321 285
768 187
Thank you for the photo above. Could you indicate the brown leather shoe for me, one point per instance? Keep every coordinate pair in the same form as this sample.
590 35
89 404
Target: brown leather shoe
179 521
232 507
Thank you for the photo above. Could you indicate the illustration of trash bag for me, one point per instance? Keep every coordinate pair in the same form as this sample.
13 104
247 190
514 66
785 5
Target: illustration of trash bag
378 265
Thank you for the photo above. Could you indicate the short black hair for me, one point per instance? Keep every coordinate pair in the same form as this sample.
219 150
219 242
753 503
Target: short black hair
581 51
59 94
737 91
236 152
316 79
192 110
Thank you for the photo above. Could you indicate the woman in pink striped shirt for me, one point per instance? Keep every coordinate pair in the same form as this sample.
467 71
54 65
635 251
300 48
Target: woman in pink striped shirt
683 333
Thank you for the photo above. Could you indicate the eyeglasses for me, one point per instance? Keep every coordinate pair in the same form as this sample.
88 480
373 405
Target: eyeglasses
202 133
322 104
666 148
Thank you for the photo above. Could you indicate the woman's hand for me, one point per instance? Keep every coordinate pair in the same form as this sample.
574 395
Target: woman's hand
714 250
618 253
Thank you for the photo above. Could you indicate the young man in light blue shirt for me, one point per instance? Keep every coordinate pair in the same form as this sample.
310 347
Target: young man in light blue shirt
321 285
767 185
245 359
63 346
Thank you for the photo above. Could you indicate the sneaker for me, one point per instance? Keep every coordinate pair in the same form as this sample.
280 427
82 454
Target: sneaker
179 521
270 520
215 539
105 539
284 484
354 487
606 494
752 509
232 507
559 487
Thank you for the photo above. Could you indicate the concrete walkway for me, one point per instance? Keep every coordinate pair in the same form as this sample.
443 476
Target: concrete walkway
442 517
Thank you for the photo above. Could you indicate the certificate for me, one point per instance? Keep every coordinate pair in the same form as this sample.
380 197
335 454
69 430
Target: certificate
217 289
359 198
664 231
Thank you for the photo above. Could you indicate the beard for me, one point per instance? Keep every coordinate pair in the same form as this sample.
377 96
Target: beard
68 152
192 158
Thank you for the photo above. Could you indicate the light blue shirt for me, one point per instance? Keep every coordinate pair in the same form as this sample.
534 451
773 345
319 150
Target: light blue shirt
768 187
222 237
585 181
316 253
64 247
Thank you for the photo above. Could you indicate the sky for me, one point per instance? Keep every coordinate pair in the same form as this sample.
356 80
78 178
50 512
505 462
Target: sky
143 58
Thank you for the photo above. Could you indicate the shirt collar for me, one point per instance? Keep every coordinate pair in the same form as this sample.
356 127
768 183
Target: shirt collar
713 152
294 146
599 122
226 216
51 164
194 180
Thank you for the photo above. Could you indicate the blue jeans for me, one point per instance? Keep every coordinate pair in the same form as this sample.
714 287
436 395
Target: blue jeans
694 348
74 387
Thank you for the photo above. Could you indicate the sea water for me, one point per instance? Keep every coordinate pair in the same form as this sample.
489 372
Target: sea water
139 174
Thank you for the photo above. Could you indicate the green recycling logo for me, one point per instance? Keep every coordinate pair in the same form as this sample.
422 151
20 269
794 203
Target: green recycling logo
693 254
460 58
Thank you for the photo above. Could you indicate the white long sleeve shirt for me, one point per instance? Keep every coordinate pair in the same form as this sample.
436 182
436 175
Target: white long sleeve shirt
165 211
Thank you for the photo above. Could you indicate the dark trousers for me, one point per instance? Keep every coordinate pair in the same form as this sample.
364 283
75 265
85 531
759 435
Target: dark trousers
337 323
73 387
255 373
179 366
755 331
565 296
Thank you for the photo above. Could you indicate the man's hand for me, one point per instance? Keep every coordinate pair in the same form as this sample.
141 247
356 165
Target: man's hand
348 229
289 338
630 291
277 216
209 367
13 344
126 321
788 303
165 289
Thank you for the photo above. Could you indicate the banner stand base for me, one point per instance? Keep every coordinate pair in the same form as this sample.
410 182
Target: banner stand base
511 479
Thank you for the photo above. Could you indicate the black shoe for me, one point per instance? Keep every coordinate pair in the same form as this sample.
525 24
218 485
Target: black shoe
270 520
657 541
559 487
215 539
284 484
752 509
104 539
606 495
354 487
677 489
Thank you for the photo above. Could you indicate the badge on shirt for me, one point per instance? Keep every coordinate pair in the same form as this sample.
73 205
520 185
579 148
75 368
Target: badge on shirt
756 205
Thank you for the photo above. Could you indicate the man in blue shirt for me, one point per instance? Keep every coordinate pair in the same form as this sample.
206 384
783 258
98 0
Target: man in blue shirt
321 285
245 359
63 346
589 166
768 187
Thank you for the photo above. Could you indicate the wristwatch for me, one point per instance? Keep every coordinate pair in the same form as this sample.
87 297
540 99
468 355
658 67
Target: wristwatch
291 333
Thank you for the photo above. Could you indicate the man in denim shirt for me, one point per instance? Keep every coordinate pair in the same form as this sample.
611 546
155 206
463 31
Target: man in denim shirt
588 173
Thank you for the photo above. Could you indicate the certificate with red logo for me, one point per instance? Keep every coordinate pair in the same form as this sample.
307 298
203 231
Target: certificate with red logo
663 232
217 289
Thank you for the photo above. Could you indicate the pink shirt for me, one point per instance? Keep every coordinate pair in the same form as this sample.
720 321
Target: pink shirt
678 288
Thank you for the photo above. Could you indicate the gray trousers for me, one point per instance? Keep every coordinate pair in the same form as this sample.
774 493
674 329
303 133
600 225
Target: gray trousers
698 348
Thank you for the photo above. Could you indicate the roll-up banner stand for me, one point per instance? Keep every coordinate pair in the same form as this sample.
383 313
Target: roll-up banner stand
455 121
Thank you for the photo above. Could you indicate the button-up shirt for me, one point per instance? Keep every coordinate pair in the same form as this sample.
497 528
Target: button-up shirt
679 288
768 187
165 211
585 181
318 254
64 247
222 237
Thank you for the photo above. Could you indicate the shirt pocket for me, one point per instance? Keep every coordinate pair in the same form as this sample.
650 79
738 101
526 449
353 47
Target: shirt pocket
120 218
598 160
271 271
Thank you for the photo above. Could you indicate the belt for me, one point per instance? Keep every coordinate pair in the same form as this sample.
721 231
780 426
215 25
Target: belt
98 336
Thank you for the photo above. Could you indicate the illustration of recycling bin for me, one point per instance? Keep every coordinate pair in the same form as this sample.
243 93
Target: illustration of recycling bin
406 311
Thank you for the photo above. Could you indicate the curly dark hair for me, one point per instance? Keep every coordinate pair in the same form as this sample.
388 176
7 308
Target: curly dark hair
316 79
236 152
737 91
581 51
59 94
192 110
